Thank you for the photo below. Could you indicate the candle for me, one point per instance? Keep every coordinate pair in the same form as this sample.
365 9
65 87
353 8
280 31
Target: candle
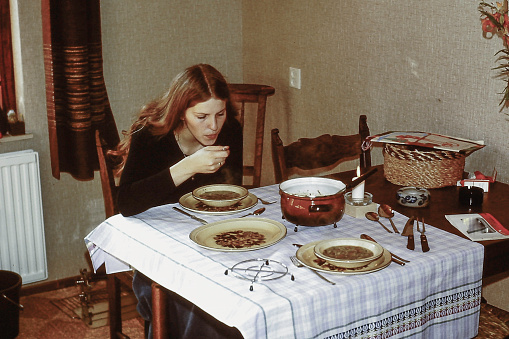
358 191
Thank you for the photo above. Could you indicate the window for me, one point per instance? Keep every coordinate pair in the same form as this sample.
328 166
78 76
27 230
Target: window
10 123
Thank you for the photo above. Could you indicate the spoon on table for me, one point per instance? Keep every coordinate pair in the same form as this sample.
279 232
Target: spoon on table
373 216
386 211
265 202
398 260
257 212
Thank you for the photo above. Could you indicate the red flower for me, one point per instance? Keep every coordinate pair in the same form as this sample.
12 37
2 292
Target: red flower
495 21
487 25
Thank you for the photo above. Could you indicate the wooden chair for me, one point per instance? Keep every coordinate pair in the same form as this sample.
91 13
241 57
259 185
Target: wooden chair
108 184
257 94
320 152
114 281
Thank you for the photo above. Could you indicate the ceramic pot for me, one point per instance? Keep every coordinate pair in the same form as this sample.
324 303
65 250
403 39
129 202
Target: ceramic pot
413 197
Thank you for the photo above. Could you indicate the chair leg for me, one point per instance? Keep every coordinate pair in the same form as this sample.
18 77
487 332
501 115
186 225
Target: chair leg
159 326
114 306
146 329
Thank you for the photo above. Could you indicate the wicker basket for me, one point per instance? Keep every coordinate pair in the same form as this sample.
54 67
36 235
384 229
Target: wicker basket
422 167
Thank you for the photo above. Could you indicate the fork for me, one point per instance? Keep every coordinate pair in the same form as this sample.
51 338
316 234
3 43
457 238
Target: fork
297 263
424 240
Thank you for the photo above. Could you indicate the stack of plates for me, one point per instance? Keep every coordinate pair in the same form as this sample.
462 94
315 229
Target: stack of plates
335 256
199 200
220 195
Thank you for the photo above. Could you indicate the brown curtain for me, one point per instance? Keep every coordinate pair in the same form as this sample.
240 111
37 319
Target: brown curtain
77 102
6 66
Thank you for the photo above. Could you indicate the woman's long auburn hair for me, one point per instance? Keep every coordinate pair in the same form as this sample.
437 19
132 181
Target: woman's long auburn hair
196 84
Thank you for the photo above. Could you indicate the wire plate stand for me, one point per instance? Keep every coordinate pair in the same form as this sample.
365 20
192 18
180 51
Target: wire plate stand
256 270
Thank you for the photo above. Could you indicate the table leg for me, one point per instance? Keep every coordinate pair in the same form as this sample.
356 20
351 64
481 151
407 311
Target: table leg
159 316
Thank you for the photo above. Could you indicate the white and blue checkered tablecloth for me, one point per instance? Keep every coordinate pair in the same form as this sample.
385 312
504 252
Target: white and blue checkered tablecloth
436 295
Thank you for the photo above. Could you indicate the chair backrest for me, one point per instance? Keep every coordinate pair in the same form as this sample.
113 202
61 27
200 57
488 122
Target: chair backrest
319 152
108 183
257 94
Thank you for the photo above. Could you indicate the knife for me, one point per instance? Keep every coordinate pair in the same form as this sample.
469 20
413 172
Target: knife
190 215
409 231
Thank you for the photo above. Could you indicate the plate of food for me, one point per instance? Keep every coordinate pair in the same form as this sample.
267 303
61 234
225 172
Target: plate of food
348 252
220 195
188 202
239 234
306 255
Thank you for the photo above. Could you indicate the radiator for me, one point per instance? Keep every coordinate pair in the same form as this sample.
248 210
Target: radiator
22 244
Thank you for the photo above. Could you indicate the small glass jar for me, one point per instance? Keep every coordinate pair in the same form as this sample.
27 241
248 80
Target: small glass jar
368 199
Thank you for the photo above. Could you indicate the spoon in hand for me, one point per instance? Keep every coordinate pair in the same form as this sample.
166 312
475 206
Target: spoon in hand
257 212
374 217
385 211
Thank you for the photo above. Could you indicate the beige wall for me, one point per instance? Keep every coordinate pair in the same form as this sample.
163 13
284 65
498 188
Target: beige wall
413 65
145 44
407 65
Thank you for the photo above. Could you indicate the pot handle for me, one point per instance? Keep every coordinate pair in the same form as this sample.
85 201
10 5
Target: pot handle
12 301
319 208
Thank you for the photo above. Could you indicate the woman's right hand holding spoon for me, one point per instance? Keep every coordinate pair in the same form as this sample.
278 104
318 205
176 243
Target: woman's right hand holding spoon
209 159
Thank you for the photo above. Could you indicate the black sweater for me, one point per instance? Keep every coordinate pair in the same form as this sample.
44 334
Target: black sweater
146 181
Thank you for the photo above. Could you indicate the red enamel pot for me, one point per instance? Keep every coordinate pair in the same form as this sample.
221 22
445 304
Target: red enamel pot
315 201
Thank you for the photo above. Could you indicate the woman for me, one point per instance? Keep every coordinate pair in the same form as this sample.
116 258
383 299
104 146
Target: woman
186 139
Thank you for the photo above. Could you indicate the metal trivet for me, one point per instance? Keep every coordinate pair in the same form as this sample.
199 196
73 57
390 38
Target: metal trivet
256 270
296 228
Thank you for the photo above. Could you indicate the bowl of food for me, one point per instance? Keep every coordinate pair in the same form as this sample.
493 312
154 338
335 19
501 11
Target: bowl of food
348 252
220 195
413 197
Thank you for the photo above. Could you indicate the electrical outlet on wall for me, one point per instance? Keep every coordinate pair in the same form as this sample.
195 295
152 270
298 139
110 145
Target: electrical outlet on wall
295 77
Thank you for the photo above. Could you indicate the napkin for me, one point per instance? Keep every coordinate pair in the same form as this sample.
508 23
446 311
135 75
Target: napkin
495 223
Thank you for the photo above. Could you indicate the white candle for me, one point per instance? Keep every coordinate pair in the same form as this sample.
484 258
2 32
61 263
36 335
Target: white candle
358 191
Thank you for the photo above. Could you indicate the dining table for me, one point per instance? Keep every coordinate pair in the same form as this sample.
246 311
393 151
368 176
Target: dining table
445 201
436 294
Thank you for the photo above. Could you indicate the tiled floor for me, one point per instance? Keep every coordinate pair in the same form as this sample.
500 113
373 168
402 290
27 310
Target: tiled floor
45 317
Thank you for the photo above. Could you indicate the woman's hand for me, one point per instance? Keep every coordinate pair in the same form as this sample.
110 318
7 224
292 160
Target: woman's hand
207 160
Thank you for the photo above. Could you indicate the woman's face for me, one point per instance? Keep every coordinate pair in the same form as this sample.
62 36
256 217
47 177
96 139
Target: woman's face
205 120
